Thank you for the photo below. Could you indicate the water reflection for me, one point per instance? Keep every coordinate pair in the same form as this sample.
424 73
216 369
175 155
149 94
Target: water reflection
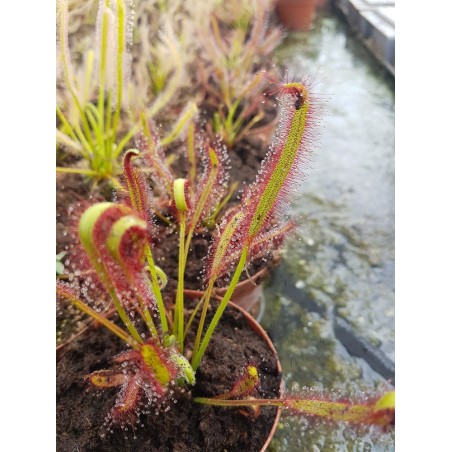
342 262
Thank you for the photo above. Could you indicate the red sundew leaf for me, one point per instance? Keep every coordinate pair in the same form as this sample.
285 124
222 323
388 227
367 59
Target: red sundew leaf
106 379
127 242
281 169
212 186
138 195
149 146
129 355
115 249
271 239
245 385
126 404
369 411
226 246
156 364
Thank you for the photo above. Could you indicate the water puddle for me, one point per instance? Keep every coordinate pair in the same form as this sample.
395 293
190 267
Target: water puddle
330 305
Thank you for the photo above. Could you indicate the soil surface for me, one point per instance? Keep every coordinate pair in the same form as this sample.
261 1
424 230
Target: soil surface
186 426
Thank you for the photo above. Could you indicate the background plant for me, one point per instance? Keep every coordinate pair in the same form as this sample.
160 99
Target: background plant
145 64
96 118
237 42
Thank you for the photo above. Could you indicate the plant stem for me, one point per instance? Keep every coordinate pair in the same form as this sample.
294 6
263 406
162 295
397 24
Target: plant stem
191 151
179 308
206 299
156 289
224 302
195 311
86 172
102 70
148 319
119 65
124 317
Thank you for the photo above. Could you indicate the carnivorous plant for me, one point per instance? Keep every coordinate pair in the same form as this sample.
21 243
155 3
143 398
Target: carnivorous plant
117 239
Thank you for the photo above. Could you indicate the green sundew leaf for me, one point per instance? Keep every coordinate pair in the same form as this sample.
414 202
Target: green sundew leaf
184 367
387 401
180 195
224 241
153 360
282 168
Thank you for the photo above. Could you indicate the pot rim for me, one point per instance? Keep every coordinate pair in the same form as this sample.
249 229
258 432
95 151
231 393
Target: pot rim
257 328
253 324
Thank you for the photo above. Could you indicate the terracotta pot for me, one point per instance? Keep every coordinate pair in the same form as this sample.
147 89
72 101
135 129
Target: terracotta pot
75 367
257 328
248 293
296 14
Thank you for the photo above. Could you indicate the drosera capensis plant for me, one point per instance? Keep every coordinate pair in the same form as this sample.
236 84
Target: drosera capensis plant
117 241
89 129
261 202
236 45
98 113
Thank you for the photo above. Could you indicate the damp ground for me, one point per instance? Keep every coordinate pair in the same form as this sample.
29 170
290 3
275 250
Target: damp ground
330 305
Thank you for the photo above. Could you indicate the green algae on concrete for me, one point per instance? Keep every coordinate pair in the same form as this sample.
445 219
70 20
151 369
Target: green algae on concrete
341 263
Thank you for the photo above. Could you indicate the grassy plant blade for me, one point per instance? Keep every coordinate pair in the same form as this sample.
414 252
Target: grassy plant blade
186 116
219 312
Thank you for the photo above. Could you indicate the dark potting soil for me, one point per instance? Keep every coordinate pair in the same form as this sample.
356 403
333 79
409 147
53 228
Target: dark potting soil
186 426
166 254
73 193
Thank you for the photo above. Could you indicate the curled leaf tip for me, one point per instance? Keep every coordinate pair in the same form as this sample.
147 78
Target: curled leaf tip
181 192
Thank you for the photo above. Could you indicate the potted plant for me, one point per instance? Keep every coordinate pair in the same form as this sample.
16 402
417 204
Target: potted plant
97 110
236 50
170 342
102 111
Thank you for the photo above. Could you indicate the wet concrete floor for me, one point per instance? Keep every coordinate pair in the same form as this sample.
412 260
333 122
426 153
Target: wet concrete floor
330 305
